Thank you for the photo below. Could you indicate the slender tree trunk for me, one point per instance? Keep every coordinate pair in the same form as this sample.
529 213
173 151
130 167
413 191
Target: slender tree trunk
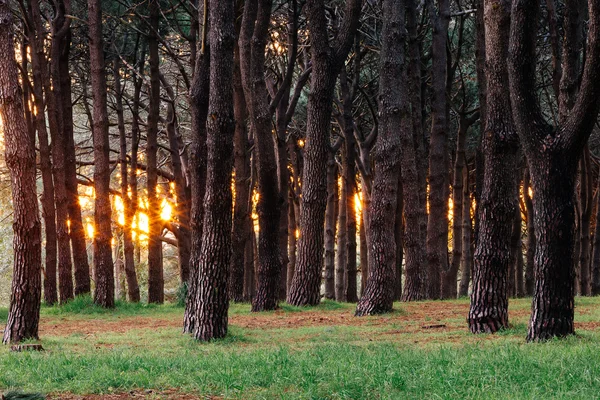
399 236
212 300
241 214
331 274
595 283
24 311
39 67
103 263
394 122
498 204
529 278
586 215
292 243
155 270
341 254
466 260
364 253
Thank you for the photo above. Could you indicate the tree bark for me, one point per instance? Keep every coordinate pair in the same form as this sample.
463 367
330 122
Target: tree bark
24 311
394 120
466 254
437 225
332 278
327 61
212 301
103 263
595 268
498 203
552 155
529 278
586 196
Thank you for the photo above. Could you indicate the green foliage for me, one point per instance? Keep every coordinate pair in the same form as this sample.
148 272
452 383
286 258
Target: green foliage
3 315
15 395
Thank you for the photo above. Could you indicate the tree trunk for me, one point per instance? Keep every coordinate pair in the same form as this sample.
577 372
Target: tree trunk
364 253
103 263
529 278
155 270
341 234
586 215
498 203
466 260
413 176
253 40
39 68
437 225
211 297
394 123
24 311
241 213
331 273
327 61
292 243
595 282
399 238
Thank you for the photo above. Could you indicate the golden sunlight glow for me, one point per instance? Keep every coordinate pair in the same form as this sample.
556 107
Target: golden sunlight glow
166 210
120 209
301 143
89 228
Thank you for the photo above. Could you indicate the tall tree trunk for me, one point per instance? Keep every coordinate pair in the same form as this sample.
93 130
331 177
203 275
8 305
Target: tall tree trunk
292 243
498 203
155 270
253 40
413 175
242 224
327 61
595 282
24 311
103 263
212 301
466 260
437 225
199 103
331 274
552 155
39 67
364 253
394 121
586 215
399 238
341 254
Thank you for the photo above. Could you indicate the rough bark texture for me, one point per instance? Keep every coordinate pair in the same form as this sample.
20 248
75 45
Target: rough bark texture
199 101
399 239
498 203
585 206
595 267
437 224
253 40
103 263
529 278
24 311
155 269
211 297
552 155
327 60
394 117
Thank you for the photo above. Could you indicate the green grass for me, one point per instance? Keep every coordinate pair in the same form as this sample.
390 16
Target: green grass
385 357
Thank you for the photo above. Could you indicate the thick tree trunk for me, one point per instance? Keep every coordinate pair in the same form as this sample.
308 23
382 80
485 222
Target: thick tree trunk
211 297
103 263
498 203
155 270
437 225
241 211
253 40
413 176
331 274
327 61
24 311
394 122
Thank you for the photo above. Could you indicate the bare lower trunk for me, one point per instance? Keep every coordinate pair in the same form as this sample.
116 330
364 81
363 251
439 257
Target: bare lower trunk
331 274
467 259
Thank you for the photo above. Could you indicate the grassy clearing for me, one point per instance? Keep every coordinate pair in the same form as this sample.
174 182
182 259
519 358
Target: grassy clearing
317 353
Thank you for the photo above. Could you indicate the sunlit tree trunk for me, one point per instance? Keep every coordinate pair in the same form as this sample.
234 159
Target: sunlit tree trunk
24 311
466 254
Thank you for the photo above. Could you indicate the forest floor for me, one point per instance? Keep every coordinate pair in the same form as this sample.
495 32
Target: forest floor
421 350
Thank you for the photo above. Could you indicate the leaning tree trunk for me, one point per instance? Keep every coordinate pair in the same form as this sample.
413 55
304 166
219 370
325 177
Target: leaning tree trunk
103 263
24 311
498 203
394 119
211 297
327 61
